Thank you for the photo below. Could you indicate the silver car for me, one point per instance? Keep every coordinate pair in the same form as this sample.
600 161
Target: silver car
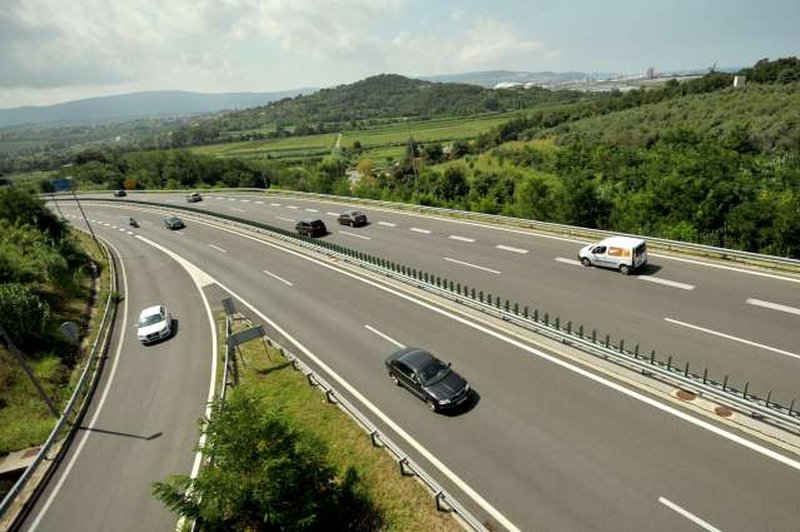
155 323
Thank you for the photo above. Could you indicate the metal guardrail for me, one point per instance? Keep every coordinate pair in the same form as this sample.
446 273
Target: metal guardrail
551 227
84 385
786 417
408 467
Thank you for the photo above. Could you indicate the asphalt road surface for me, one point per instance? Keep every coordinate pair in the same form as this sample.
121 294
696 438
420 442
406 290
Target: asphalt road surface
142 424
546 446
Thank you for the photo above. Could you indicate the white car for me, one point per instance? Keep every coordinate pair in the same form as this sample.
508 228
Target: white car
155 323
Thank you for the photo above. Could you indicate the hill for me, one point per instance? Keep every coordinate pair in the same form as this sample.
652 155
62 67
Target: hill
388 96
138 105
491 78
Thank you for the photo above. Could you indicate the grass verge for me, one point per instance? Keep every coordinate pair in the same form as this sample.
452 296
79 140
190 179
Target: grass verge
404 503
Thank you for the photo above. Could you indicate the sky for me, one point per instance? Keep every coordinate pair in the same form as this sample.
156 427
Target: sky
59 50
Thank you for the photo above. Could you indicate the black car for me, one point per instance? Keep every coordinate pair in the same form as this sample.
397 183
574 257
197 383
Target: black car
311 227
173 222
120 193
428 378
352 218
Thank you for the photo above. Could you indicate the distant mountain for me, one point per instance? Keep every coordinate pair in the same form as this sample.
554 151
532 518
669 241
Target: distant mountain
492 78
140 105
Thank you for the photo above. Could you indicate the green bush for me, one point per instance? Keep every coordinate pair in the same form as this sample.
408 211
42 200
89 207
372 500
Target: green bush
22 313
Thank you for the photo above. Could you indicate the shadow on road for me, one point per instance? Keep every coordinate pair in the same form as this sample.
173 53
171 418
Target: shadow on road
124 434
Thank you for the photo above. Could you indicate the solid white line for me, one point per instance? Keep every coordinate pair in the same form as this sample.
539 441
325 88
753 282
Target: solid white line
773 306
513 250
274 204
568 261
461 238
355 235
285 219
646 399
103 397
217 248
384 336
292 207
387 224
448 259
332 213
688 515
237 210
312 210
418 230
466 488
666 282
734 338
281 279
729 268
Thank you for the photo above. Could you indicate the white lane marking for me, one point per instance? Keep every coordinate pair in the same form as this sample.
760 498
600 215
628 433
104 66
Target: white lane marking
245 200
312 210
466 488
355 235
121 229
332 213
129 232
259 202
217 197
237 210
688 515
512 249
170 200
418 230
200 280
100 404
665 408
773 306
730 268
461 238
292 207
387 224
654 403
274 204
734 338
231 199
448 259
666 282
176 233
217 248
281 279
285 219
568 261
113 227
384 336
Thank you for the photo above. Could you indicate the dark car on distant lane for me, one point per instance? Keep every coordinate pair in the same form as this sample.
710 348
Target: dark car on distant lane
428 378
120 193
311 227
173 222
352 218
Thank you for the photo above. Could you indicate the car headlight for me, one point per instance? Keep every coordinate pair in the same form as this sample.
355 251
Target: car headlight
444 401
466 388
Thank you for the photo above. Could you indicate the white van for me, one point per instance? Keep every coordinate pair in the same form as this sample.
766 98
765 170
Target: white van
618 252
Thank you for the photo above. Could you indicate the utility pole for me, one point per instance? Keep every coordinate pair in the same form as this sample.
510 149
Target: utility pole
21 358
412 151
85 219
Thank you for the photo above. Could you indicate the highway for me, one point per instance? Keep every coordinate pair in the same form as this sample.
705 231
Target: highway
548 446
142 423
731 320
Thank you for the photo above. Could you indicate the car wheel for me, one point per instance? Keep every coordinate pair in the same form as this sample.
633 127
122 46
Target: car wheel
394 379
624 269
431 405
586 262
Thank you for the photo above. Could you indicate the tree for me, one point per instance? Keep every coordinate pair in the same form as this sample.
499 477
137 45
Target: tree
264 475
452 185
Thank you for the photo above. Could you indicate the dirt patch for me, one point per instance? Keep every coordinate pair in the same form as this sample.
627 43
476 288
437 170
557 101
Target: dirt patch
683 395
723 411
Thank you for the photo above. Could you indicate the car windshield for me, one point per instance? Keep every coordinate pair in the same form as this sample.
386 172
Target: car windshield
150 320
433 372
316 223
